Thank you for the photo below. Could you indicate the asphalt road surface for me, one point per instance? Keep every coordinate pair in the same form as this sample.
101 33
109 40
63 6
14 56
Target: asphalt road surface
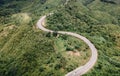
82 69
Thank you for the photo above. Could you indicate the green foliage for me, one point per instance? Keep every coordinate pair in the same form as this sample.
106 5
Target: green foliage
73 52
86 2
26 51
99 22
111 1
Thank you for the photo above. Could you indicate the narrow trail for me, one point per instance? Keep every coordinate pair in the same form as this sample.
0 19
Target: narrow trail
82 69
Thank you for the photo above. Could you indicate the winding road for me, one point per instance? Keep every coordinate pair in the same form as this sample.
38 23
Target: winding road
82 69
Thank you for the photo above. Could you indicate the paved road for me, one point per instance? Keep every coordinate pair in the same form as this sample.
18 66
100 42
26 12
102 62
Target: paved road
82 69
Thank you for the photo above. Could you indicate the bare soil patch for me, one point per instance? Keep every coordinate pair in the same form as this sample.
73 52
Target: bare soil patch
73 53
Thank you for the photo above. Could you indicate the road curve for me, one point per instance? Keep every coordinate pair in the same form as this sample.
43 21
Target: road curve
82 69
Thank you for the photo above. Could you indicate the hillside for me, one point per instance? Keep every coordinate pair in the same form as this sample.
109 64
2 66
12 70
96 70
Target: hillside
25 50
99 22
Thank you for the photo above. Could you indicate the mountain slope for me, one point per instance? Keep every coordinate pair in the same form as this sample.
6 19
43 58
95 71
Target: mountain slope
26 50
23 47
100 23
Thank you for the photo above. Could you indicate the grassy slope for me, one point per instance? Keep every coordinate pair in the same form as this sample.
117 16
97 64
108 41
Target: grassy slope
99 22
25 50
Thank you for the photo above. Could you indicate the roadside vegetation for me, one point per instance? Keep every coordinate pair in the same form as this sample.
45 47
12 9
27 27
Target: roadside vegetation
99 22
25 50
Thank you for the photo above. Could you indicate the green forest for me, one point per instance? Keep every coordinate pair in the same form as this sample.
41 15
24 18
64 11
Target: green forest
26 50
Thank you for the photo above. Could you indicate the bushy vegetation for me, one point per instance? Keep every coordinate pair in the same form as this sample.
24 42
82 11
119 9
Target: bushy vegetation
97 21
111 1
27 51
